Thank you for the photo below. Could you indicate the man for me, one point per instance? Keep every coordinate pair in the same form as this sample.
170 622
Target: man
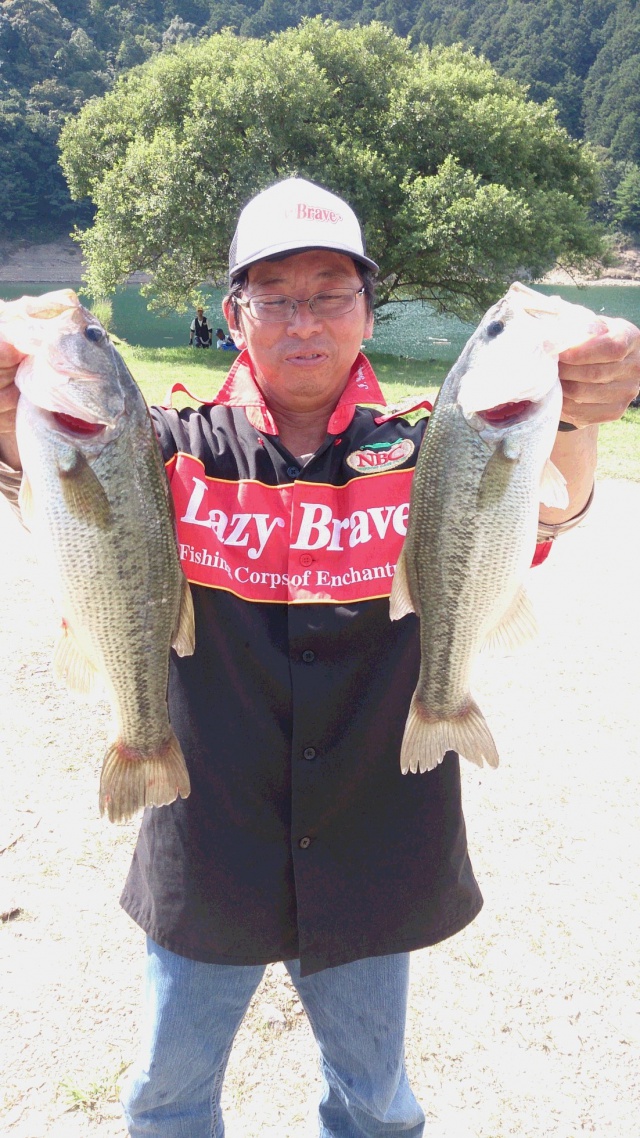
200 332
301 841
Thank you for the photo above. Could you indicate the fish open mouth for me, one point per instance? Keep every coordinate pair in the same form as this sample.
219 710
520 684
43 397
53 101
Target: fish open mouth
506 413
77 426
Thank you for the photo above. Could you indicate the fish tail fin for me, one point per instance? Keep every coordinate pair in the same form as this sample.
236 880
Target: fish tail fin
131 780
427 739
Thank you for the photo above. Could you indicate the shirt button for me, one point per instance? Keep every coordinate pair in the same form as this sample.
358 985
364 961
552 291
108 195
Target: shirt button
304 843
309 753
293 471
308 656
306 559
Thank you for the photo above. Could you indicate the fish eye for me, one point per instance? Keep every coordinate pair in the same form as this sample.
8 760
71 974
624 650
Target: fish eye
94 333
495 328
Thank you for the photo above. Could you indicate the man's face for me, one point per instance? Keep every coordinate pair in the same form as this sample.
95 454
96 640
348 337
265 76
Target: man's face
200 313
304 363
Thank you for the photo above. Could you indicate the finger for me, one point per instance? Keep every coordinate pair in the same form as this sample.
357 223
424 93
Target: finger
8 422
602 383
9 396
624 373
616 390
582 413
9 356
7 377
595 374
617 341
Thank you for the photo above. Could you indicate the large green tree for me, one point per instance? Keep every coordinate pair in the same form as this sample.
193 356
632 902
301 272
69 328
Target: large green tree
461 181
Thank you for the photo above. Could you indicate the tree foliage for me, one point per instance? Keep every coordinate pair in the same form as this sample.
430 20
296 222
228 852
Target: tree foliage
460 180
612 88
627 200
47 70
548 46
57 54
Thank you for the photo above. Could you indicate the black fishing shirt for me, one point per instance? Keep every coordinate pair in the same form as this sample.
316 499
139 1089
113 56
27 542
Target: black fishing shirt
301 837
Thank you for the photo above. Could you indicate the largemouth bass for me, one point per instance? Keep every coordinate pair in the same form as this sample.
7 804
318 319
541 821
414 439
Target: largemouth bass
96 498
482 470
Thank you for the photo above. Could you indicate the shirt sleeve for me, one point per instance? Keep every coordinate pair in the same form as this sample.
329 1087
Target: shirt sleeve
168 429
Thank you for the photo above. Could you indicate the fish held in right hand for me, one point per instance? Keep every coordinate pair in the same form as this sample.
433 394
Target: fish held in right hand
96 498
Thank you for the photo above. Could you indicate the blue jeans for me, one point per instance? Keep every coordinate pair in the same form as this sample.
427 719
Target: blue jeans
357 1012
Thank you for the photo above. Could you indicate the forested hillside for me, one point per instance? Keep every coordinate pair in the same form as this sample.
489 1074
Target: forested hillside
585 54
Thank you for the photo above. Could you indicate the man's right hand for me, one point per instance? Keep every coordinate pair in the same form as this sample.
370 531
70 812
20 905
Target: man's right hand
10 357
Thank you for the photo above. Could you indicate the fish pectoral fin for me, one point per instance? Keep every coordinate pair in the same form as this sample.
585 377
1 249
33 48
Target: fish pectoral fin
400 602
184 638
25 502
497 474
83 492
131 780
553 487
518 626
72 666
427 738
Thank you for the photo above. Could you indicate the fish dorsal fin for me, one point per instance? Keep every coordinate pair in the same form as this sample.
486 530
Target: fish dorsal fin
184 640
83 492
25 502
400 602
553 487
516 627
72 666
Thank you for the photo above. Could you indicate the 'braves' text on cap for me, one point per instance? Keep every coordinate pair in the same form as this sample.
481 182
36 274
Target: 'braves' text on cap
291 216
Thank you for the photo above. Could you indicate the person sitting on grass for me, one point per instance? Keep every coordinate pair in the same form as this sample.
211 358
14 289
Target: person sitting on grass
224 341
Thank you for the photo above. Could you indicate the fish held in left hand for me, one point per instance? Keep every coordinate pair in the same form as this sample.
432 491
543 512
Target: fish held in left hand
96 498
482 471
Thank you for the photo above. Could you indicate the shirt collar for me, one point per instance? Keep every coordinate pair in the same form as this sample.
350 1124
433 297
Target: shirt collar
241 390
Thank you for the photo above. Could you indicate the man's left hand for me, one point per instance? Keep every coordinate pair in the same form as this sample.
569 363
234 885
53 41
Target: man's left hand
601 376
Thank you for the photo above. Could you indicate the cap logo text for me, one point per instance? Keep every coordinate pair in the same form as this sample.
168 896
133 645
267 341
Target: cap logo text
303 212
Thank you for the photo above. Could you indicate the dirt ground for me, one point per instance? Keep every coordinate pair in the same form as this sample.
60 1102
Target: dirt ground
527 1024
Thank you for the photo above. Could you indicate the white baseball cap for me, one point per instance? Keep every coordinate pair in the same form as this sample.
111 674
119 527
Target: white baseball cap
292 216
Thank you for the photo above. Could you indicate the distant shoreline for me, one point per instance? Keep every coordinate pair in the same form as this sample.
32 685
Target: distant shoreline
54 262
60 262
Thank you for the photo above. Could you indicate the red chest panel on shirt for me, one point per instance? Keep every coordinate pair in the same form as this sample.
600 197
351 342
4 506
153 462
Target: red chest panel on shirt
298 543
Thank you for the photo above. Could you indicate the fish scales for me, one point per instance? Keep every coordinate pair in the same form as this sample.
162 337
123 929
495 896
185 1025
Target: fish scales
102 582
97 500
461 606
481 473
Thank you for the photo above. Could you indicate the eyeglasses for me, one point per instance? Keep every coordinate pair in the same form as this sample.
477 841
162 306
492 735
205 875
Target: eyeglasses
276 309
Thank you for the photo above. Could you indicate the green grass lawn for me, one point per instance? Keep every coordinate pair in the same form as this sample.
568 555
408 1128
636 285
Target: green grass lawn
203 372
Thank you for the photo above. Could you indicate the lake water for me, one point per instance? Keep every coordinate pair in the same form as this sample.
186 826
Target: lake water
413 331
